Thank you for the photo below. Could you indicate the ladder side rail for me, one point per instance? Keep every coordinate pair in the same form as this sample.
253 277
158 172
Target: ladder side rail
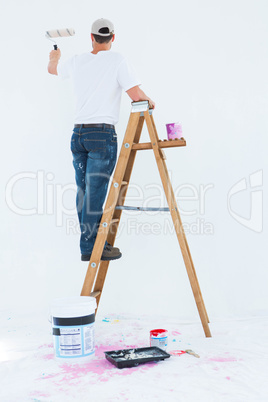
124 187
101 276
99 283
177 222
183 244
129 167
110 205
183 233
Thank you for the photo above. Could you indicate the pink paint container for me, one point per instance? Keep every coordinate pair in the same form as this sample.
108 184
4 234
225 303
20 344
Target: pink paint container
159 338
174 130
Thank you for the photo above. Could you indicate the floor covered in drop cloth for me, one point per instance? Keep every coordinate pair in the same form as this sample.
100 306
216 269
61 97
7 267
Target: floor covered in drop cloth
233 364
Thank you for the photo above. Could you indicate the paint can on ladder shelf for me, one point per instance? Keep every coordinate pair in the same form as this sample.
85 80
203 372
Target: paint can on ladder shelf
73 328
174 130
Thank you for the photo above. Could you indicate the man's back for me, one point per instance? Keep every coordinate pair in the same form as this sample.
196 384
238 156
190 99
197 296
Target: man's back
98 82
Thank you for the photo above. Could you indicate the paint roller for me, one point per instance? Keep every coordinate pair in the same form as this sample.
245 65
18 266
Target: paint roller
59 33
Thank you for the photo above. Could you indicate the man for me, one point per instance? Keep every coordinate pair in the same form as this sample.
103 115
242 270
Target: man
98 78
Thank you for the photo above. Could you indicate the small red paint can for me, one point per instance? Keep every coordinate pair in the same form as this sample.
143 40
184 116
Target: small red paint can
159 338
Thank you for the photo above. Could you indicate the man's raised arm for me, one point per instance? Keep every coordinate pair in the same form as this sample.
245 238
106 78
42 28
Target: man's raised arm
54 57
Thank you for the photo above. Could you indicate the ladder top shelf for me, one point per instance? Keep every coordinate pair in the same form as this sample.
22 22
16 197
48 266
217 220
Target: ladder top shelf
161 144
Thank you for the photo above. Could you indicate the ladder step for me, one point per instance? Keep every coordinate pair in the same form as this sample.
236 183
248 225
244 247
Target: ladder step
114 221
95 294
129 208
140 106
161 144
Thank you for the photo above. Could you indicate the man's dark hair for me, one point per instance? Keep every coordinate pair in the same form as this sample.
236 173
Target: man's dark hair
103 39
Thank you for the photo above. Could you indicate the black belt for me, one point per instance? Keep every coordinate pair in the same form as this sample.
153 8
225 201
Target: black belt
104 125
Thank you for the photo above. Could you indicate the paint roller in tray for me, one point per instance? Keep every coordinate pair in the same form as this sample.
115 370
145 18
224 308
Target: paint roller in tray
59 33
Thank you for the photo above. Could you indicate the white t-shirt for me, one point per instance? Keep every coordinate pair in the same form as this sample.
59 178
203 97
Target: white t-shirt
98 82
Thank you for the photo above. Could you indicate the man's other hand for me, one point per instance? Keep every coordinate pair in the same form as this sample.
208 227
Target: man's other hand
137 95
151 104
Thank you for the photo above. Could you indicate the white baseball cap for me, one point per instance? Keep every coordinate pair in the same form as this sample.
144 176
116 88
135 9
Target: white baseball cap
102 27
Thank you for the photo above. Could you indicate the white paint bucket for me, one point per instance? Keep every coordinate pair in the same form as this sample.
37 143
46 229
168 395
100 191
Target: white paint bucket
73 328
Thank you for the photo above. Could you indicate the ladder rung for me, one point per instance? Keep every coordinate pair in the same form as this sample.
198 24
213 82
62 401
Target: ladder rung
114 221
124 183
161 144
95 294
128 208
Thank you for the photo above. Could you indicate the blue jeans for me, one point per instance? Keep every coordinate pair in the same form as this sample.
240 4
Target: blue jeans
94 156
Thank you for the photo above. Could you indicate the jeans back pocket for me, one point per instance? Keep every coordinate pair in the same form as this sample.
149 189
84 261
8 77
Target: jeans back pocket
96 148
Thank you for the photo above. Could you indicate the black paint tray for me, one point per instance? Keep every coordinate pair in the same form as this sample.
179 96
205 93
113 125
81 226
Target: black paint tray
134 357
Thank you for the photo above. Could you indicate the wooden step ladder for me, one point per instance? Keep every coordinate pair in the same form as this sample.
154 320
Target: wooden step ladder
97 269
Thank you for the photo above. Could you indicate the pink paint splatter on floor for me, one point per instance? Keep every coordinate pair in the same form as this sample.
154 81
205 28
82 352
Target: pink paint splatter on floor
96 370
177 352
48 357
223 359
175 333
46 345
39 394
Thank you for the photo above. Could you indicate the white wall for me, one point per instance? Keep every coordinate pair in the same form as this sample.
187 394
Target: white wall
205 64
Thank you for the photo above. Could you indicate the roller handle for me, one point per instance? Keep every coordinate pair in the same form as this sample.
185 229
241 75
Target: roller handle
55 47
